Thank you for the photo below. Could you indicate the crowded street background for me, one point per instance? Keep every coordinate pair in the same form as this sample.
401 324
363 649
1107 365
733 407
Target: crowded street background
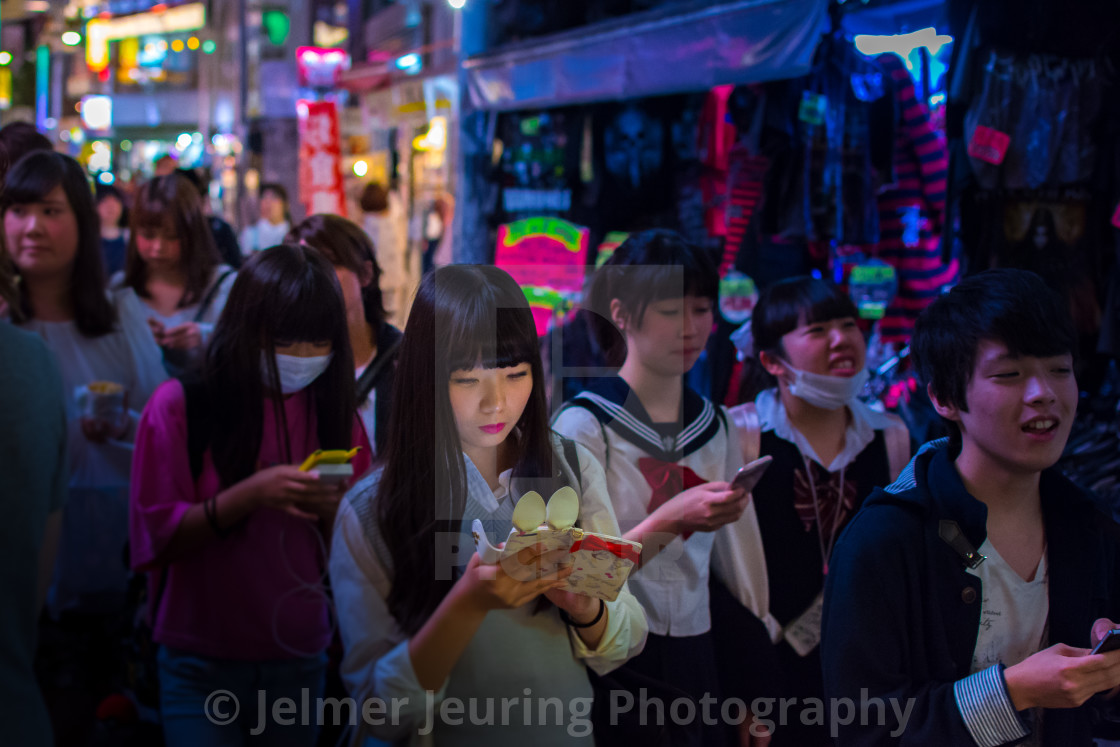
722 373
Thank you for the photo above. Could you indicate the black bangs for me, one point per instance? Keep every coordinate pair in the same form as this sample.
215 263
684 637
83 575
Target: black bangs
487 334
287 296
1009 306
31 179
786 305
658 283
654 266
305 312
1022 312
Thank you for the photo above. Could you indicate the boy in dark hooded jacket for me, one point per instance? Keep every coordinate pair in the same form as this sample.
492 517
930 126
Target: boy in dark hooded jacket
966 596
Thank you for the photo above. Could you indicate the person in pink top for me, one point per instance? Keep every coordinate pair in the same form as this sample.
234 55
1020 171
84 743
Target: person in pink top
233 535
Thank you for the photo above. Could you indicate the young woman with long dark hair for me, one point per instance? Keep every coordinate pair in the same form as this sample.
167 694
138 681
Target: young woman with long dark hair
374 341
173 266
232 532
468 437
98 338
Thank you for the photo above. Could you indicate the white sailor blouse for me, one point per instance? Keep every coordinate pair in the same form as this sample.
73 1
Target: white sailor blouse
646 464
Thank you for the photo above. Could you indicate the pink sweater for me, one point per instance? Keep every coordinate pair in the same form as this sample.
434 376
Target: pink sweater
255 595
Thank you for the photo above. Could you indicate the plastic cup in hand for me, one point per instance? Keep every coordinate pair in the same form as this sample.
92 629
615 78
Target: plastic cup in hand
101 400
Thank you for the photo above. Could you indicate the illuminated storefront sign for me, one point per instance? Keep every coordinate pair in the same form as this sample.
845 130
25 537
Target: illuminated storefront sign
320 158
99 31
319 67
547 258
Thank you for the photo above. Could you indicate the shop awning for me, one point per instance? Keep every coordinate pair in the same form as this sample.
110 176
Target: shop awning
737 42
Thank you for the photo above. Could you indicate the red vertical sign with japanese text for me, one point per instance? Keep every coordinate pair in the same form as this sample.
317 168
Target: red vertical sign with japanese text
320 158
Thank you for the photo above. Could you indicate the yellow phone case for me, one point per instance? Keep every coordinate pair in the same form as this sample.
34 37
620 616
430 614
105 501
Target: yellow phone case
332 456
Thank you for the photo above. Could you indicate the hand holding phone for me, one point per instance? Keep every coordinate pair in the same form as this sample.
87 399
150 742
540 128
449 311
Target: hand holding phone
1110 642
749 475
332 465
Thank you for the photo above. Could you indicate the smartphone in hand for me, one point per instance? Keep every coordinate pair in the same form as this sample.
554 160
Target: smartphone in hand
333 466
1110 642
749 475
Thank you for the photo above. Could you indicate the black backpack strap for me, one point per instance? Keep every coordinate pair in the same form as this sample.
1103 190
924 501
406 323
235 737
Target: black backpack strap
950 533
571 456
376 370
208 299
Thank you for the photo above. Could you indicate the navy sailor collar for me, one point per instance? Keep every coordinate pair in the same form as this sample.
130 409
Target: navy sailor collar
616 406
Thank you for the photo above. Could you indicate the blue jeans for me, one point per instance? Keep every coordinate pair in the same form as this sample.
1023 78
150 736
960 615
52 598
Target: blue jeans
227 703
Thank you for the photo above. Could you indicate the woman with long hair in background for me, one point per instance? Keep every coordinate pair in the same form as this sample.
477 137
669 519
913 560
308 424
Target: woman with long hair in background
232 532
173 266
372 339
110 365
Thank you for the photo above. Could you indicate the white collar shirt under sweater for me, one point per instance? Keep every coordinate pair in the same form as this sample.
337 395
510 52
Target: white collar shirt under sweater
860 432
673 587
513 650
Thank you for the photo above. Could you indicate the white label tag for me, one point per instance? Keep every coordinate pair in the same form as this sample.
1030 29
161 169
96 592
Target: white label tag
804 633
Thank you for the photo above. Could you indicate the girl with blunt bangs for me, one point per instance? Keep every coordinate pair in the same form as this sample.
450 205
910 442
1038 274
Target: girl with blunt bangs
222 517
373 340
98 337
173 266
468 436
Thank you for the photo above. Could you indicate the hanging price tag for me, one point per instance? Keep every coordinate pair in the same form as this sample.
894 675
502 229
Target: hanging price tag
813 107
872 286
737 297
989 145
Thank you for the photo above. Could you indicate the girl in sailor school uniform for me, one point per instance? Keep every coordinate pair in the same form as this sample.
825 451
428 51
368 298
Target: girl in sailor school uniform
829 451
463 653
667 453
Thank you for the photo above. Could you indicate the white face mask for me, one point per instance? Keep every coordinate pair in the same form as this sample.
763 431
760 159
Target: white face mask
825 392
296 373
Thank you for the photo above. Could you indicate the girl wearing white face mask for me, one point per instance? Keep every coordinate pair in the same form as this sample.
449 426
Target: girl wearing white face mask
829 451
232 533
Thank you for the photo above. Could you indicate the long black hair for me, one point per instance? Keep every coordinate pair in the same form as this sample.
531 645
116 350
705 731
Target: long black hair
649 266
9 291
29 181
464 316
284 295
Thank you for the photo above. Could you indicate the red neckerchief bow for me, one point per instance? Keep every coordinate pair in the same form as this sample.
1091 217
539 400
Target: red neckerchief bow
667 481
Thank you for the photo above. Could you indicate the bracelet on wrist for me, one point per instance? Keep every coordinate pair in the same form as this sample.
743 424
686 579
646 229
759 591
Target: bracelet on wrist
573 624
210 510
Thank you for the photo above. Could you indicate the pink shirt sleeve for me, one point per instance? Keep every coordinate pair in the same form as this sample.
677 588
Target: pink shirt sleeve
162 485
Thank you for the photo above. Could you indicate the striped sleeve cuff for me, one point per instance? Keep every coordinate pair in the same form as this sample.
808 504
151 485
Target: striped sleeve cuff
986 708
